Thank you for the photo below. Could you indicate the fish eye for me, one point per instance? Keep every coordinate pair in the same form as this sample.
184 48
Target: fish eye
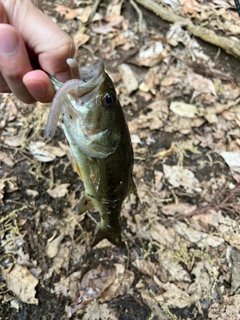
108 100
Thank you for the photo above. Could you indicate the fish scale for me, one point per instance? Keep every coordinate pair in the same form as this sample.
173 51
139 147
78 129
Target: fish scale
98 135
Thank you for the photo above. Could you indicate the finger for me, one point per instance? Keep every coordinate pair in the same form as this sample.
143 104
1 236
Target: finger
3 85
3 19
3 14
39 85
14 62
52 45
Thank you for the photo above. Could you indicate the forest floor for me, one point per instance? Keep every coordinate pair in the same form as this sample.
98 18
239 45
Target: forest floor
180 96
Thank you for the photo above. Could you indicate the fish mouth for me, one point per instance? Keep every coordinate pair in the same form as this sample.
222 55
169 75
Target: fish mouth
82 98
76 99
91 77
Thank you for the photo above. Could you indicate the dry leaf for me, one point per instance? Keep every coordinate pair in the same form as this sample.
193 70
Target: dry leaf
233 257
172 3
203 273
17 140
43 152
96 311
177 35
192 235
168 260
109 27
154 120
184 109
114 8
32 193
11 109
180 208
84 14
180 177
20 281
227 308
190 7
59 191
154 306
122 282
128 77
163 235
232 158
68 13
2 191
175 298
151 54
145 266
95 282
6 159
53 246
80 39
200 85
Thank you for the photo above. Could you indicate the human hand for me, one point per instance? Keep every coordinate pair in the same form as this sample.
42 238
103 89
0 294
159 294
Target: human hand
29 42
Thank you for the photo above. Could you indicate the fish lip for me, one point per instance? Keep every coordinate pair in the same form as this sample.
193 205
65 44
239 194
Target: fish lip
90 87
93 83
89 90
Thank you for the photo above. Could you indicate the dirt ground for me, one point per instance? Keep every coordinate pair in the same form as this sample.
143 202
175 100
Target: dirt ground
180 96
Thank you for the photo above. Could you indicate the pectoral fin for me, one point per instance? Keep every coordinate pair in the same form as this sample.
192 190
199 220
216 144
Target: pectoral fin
84 204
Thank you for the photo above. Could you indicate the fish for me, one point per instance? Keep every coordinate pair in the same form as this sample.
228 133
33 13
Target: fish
99 138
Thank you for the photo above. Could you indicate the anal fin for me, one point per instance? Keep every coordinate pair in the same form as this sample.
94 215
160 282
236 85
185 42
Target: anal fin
77 168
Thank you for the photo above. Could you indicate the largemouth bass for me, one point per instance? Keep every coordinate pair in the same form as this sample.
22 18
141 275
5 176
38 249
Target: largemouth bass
98 135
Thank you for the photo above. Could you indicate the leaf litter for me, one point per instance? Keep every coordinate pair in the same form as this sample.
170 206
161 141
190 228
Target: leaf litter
181 100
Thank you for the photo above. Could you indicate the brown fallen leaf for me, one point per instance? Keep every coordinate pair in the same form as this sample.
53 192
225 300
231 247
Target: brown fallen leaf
145 266
96 311
122 282
109 27
95 282
20 281
154 306
151 54
178 176
190 7
227 308
68 13
176 272
184 109
11 109
128 77
233 257
80 39
53 246
163 235
180 208
59 191
43 152
175 298
16 140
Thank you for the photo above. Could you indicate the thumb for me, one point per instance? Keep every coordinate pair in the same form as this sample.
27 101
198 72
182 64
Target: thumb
42 36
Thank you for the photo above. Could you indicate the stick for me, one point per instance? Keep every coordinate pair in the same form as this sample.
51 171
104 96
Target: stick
229 45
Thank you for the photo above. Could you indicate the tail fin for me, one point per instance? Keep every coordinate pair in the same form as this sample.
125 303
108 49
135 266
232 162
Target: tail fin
113 235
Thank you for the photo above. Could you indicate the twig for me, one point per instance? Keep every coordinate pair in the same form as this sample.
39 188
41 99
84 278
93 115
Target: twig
140 16
230 46
222 200
94 9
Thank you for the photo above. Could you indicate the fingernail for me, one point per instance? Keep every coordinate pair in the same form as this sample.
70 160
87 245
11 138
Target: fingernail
8 43
63 76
